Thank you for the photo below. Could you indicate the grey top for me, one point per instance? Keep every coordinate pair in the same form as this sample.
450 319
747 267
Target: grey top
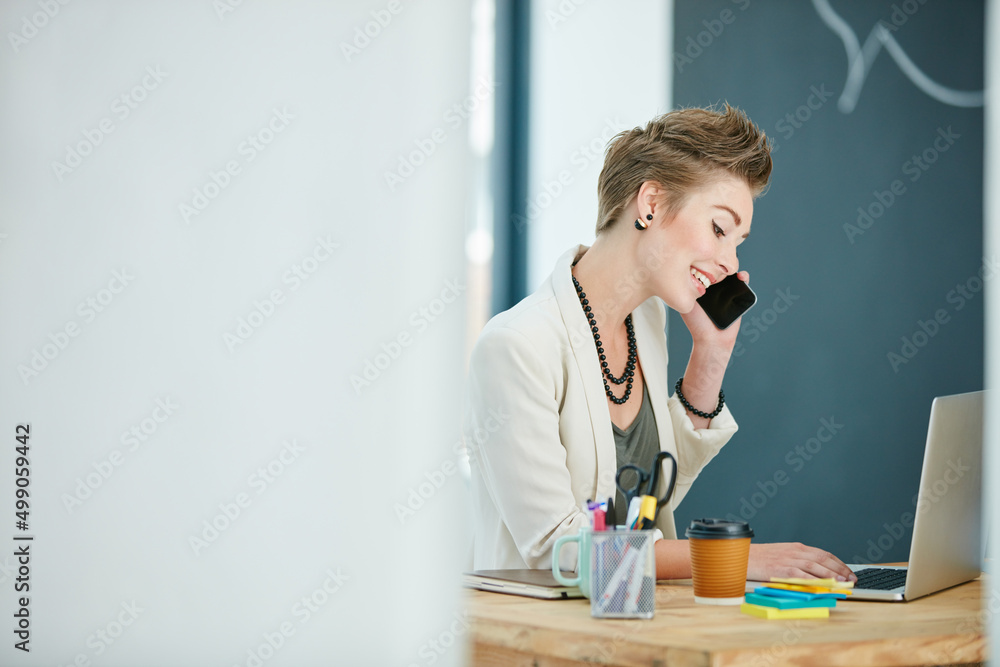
637 444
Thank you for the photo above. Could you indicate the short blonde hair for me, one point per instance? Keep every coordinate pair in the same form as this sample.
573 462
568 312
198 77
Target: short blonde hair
681 151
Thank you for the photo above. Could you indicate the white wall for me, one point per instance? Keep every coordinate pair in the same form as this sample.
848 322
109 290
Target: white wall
597 68
114 516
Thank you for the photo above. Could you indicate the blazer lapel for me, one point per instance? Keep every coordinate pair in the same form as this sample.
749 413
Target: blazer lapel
581 341
649 320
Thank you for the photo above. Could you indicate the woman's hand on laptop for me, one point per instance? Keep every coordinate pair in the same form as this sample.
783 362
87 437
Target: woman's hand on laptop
791 559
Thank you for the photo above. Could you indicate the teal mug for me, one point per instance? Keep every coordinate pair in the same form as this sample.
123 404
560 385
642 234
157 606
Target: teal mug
582 579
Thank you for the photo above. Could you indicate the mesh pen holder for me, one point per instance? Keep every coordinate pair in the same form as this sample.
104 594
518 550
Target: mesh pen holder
623 574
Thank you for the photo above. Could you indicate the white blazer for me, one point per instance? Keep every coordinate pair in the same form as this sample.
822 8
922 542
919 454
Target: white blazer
538 429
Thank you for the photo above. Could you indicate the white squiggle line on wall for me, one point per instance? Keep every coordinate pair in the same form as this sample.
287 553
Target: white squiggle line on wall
860 60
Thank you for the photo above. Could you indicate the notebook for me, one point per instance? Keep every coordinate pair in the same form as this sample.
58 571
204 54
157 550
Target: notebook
531 583
945 549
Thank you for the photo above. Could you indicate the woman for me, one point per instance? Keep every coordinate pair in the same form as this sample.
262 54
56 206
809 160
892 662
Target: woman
571 382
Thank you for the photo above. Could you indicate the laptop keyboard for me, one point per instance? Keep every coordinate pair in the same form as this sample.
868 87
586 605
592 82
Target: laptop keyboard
880 578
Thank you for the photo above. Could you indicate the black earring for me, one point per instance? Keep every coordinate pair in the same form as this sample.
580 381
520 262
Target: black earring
649 216
639 225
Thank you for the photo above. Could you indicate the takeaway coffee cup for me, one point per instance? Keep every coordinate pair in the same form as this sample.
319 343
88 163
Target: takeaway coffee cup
719 553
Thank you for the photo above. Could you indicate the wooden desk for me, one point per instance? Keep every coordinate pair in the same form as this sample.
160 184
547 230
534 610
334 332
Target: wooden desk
941 629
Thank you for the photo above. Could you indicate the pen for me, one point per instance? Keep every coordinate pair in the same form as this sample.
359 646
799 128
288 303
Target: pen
634 587
618 578
633 512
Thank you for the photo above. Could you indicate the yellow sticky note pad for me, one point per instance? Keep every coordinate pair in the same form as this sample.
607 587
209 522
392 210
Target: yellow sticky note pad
825 583
772 614
809 589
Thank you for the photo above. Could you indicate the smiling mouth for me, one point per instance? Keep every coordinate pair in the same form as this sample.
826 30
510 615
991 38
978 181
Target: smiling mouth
701 277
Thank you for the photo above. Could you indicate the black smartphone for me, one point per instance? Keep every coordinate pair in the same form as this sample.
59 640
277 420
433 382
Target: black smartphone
726 300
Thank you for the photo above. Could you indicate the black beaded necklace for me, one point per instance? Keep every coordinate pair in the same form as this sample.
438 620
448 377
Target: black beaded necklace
629 372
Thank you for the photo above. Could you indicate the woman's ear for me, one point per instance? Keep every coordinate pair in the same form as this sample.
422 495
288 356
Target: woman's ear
650 198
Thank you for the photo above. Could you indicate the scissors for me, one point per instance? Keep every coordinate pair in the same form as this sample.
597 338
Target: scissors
645 485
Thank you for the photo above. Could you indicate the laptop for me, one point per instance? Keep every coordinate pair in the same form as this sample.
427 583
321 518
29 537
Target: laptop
530 583
945 549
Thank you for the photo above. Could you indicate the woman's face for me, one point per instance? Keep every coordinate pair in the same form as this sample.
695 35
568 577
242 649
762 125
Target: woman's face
697 247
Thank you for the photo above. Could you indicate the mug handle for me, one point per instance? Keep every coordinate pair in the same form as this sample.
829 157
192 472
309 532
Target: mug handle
556 572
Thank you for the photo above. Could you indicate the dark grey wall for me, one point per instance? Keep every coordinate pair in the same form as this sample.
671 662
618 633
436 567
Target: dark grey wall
857 328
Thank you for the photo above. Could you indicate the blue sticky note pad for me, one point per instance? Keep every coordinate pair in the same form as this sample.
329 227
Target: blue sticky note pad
788 603
796 595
